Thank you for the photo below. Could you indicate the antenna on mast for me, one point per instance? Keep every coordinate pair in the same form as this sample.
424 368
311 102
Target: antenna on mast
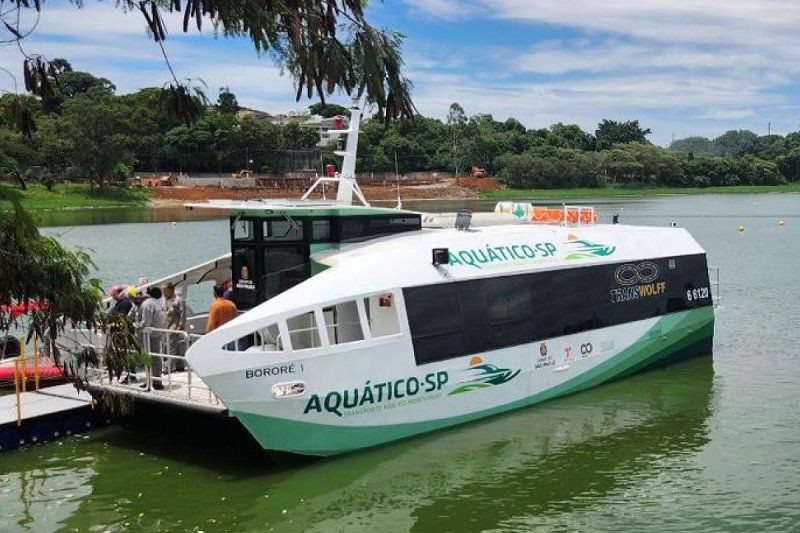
346 178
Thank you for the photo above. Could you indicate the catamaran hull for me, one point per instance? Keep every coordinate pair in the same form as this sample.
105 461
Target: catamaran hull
359 400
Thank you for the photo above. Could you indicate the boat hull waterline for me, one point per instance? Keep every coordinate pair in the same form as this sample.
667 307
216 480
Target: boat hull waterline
363 408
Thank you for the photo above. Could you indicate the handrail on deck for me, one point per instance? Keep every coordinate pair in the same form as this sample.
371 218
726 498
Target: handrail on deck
189 387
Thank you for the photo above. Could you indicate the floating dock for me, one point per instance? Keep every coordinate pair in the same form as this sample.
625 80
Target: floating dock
46 414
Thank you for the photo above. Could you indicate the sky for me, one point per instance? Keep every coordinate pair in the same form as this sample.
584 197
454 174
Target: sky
681 67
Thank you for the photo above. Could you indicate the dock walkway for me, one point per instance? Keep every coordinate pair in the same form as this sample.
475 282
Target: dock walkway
45 414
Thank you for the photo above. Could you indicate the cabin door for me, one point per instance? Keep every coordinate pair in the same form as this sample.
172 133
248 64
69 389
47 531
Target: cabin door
269 257
284 256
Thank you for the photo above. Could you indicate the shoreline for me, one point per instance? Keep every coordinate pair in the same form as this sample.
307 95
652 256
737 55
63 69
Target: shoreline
76 198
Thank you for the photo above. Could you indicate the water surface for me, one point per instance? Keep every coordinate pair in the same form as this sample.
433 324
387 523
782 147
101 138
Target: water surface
709 445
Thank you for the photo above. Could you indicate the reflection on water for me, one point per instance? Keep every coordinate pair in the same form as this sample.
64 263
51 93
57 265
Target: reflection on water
120 215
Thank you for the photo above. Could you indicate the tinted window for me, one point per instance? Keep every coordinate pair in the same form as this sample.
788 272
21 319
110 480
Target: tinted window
360 228
284 267
506 311
436 316
320 230
243 230
282 229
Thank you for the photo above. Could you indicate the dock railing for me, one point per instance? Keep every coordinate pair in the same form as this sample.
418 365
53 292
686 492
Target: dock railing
165 378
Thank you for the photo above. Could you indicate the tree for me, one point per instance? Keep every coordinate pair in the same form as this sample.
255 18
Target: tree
226 101
736 143
327 110
325 46
92 125
71 83
611 132
35 268
456 115
296 137
570 136
696 146
456 119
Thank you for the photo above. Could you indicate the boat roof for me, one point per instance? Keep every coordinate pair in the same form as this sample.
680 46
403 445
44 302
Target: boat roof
271 206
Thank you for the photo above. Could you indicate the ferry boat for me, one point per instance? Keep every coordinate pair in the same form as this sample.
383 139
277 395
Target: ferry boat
360 325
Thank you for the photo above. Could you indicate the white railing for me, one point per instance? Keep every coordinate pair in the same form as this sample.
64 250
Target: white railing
168 378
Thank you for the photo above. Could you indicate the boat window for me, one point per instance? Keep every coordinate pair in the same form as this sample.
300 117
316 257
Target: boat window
435 315
303 331
382 314
468 317
281 229
320 230
243 230
266 339
285 265
342 323
353 229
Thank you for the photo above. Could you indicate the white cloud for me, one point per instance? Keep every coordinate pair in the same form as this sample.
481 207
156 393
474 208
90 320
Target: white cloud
676 64
113 44
730 114
445 9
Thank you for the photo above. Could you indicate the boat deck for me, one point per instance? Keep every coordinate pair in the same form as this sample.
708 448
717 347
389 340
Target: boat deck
183 389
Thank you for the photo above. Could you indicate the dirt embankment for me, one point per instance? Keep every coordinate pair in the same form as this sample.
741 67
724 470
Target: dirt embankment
466 188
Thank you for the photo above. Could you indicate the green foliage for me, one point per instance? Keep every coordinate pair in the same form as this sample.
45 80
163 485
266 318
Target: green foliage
226 101
98 136
736 143
60 196
328 110
325 45
611 132
35 268
92 123
694 146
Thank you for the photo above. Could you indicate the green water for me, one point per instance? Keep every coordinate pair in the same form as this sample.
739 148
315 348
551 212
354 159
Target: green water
709 445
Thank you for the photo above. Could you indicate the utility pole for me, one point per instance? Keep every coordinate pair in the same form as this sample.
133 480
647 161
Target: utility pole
769 128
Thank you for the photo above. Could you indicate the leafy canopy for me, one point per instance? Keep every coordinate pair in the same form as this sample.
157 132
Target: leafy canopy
326 45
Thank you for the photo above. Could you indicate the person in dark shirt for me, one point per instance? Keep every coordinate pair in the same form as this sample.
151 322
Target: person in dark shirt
122 303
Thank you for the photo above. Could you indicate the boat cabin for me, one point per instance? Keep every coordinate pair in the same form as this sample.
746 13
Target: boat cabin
272 251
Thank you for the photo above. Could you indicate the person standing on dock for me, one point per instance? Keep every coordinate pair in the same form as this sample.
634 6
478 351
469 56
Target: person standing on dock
174 312
149 315
122 303
221 310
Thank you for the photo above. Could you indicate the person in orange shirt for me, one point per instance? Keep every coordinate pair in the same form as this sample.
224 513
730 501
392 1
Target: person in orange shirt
221 310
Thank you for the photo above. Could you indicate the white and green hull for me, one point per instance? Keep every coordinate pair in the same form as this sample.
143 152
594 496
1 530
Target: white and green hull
376 395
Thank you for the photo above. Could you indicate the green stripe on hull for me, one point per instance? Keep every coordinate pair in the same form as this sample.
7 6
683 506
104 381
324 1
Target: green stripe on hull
675 337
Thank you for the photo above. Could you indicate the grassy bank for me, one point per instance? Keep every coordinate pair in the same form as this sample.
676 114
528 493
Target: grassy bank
74 196
604 192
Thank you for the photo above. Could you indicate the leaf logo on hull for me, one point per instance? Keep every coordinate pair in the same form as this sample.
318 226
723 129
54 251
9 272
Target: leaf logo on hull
587 249
484 375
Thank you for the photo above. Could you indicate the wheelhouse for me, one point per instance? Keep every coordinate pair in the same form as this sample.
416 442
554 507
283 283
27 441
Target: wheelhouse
272 252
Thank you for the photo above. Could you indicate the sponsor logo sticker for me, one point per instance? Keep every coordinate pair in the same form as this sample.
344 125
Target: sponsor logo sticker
483 375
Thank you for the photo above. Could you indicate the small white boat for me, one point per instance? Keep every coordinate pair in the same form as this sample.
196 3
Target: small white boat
362 325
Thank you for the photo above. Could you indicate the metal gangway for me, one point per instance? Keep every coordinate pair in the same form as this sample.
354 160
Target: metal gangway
181 386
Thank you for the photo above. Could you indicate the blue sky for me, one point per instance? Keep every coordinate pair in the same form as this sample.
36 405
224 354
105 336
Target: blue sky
682 67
